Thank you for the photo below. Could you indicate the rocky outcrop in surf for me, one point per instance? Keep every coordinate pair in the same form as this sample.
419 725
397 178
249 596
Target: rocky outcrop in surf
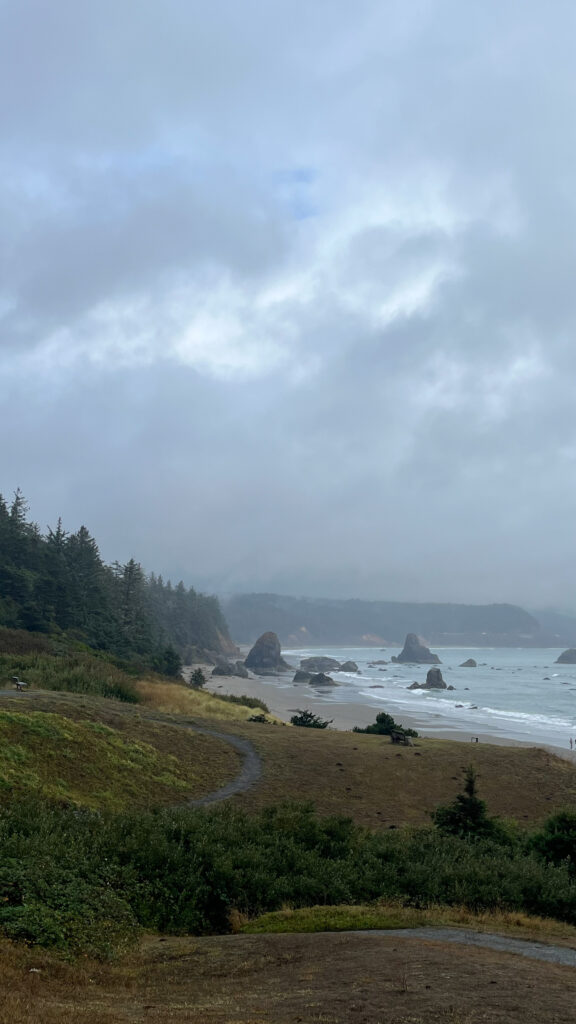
266 656
470 663
434 681
320 663
416 653
320 679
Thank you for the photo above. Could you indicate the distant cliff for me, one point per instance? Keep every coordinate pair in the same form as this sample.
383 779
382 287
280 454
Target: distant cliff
309 622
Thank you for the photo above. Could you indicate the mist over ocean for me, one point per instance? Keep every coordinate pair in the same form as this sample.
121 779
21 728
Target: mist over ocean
515 693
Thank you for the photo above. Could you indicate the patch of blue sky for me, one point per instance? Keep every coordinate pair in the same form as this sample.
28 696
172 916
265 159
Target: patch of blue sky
295 188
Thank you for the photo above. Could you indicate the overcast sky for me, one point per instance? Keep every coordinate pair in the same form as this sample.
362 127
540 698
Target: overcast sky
288 290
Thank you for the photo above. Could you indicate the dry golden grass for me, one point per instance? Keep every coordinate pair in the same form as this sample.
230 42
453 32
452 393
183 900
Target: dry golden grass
380 785
182 700
280 979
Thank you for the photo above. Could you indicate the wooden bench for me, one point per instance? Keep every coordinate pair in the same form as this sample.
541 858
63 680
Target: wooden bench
400 737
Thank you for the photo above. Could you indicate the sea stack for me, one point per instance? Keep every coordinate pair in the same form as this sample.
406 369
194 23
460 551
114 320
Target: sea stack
416 653
265 658
469 664
434 681
567 657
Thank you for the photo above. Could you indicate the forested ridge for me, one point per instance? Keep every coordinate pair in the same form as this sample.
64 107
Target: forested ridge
306 622
57 583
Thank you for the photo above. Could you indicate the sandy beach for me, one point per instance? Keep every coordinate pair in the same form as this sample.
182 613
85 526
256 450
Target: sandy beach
284 698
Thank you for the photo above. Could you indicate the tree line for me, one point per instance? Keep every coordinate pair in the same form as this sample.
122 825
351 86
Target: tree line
57 583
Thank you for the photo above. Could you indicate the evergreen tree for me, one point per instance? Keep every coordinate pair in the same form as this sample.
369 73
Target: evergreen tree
59 582
467 816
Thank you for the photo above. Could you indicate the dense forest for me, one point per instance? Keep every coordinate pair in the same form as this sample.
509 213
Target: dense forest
307 622
57 583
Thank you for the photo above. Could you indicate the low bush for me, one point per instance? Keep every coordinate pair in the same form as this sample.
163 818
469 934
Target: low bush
308 720
384 726
197 678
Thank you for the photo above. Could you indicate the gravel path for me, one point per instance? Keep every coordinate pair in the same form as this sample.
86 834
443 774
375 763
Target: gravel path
485 940
251 769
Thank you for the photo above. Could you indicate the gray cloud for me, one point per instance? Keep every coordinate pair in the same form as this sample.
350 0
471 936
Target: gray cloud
286 294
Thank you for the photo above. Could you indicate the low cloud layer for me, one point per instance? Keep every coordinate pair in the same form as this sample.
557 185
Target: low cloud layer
287 296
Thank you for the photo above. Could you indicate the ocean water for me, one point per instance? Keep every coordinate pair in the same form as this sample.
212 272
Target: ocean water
515 693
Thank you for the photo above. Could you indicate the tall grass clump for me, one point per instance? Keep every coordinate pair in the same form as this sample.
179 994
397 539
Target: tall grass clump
76 672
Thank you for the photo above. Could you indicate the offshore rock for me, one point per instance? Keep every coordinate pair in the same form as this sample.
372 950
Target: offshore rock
349 666
266 657
469 664
301 677
416 653
320 663
322 680
434 681
567 657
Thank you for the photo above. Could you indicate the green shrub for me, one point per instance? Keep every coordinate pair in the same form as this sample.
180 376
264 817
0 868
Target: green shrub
556 841
384 726
198 679
308 720
86 882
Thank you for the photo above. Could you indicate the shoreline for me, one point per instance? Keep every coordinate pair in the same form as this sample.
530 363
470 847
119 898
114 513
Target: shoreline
284 698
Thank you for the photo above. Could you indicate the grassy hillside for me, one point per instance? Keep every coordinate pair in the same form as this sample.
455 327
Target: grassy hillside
87 762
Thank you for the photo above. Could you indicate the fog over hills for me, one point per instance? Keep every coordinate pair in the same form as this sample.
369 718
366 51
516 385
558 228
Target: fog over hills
309 622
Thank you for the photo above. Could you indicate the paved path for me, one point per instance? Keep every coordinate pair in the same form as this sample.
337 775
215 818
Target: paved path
485 940
251 769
